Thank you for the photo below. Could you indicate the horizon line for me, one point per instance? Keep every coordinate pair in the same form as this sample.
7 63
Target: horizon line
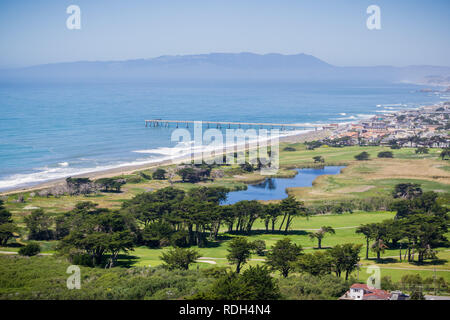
212 53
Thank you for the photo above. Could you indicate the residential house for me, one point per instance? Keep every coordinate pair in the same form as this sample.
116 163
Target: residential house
359 291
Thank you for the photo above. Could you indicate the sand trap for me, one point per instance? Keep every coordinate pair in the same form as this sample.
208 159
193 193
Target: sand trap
207 261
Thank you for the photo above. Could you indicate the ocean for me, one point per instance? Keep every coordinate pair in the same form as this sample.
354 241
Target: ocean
51 131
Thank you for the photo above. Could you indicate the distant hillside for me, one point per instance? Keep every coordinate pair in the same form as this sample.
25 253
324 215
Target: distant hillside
225 66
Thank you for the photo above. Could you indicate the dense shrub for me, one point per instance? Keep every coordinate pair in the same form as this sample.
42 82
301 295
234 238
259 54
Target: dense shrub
247 167
45 278
135 179
255 283
194 174
179 258
30 249
179 239
362 156
385 154
313 145
81 259
144 175
412 282
422 150
110 184
77 186
307 287
318 159
159 174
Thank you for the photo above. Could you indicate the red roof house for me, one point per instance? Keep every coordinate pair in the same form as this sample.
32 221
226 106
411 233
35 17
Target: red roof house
359 291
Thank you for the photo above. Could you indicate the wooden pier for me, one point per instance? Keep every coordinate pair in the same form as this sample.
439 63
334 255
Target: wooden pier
226 124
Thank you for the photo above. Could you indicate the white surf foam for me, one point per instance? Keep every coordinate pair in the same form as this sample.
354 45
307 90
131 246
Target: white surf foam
165 154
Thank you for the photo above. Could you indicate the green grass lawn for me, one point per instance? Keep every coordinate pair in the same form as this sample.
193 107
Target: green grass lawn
334 220
345 154
373 178
360 179
217 251
396 274
344 224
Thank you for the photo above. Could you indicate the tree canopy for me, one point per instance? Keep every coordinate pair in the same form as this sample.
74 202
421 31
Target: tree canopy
385 154
239 250
407 190
362 156
7 226
178 258
255 283
320 234
345 258
39 225
159 174
282 256
110 184
98 233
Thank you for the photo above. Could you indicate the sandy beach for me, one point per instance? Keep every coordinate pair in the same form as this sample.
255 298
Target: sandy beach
125 170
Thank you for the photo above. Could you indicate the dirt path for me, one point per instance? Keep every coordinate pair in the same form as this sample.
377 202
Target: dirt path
300 229
412 269
12 252
338 228
211 258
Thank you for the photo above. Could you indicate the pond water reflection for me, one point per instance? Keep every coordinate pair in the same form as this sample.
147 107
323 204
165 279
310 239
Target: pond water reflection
275 188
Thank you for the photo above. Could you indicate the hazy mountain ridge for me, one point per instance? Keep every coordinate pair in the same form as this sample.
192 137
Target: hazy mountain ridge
226 66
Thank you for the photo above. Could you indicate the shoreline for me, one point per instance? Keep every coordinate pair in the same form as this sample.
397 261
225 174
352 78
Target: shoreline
307 135
130 169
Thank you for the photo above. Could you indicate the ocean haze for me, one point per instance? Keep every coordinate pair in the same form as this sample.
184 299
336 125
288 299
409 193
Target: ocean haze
413 32
220 66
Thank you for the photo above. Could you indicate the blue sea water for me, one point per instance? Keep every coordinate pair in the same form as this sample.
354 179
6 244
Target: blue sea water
50 131
275 188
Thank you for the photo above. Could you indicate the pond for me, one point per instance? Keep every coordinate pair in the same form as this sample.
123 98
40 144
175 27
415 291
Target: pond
275 188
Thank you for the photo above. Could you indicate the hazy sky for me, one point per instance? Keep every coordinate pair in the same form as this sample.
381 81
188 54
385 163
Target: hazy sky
413 32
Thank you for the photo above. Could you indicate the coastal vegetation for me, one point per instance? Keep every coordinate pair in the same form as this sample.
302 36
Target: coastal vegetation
385 154
320 234
31 249
363 156
384 211
7 226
